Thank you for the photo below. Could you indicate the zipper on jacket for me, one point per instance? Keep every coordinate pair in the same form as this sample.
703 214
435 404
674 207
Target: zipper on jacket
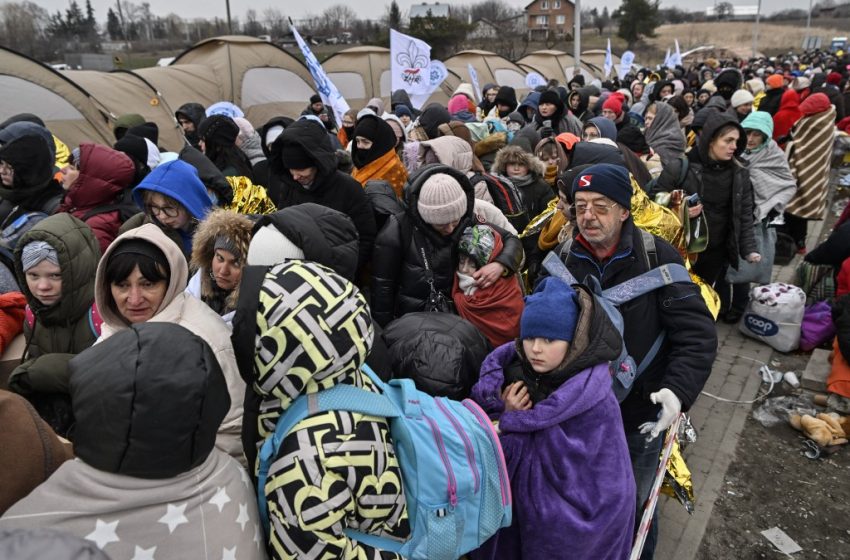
438 437
482 418
467 445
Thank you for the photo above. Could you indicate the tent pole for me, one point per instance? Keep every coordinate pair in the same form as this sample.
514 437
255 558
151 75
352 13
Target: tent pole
229 24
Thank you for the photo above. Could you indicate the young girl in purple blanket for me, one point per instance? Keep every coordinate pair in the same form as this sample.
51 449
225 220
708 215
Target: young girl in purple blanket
561 431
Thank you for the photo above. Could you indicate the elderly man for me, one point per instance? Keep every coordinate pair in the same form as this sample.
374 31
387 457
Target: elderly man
609 246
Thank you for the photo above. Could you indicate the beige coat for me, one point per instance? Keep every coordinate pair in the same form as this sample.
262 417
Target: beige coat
189 312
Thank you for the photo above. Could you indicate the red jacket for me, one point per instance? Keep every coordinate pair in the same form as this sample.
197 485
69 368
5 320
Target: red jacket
787 115
104 174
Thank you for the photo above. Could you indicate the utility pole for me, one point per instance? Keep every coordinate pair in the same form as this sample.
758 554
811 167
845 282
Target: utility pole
577 37
756 31
229 23
808 24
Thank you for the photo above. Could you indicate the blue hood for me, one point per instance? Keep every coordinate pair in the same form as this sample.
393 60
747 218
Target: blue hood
605 126
178 180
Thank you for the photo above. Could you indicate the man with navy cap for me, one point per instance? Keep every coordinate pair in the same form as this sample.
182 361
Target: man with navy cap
609 246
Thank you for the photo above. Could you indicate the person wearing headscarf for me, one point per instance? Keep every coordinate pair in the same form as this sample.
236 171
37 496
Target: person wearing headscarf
147 476
374 155
248 141
488 100
663 133
218 136
809 151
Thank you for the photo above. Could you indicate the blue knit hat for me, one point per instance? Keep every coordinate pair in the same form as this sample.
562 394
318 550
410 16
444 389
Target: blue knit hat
550 312
606 179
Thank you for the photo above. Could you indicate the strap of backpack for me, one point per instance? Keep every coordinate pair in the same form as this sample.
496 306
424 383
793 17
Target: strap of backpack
650 251
556 267
648 281
683 171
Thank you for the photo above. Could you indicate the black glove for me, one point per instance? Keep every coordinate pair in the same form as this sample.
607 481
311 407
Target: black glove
546 132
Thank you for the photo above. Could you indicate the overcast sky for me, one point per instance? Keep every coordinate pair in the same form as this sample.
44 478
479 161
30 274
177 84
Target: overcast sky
372 9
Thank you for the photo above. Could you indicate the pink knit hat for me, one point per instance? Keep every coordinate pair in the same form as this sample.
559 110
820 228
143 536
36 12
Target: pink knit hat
457 104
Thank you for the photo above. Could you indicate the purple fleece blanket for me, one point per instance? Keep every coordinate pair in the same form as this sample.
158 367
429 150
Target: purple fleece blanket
572 482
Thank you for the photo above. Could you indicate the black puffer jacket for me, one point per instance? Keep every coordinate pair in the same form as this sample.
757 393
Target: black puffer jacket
703 173
441 352
684 361
834 250
331 188
399 282
772 100
325 235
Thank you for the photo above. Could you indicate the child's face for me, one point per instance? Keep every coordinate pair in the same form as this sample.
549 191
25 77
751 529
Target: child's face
544 354
517 170
466 265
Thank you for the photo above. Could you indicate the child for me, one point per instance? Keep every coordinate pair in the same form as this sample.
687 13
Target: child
494 310
526 172
561 431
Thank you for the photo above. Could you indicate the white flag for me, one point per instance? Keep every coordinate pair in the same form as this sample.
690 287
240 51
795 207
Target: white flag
410 61
437 73
533 80
326 88
676 58
626 60
609 62
667 59
473 75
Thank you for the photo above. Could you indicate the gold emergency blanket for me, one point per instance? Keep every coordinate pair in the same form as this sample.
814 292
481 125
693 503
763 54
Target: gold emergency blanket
677 480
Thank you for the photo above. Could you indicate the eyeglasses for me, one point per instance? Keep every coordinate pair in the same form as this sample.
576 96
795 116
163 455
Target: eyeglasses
597 208
169 211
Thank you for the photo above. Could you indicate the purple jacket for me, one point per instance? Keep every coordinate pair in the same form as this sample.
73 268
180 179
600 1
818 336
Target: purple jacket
569 468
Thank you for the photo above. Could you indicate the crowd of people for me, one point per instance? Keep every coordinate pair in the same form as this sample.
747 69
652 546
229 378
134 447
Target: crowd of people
174 305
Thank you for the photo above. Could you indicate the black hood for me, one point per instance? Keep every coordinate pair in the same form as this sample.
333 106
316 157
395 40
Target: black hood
23 117
713 124
312 138
400 97
143 412
411 199
715 104
326 236
195 112
596 152
584 100
656 89
432 117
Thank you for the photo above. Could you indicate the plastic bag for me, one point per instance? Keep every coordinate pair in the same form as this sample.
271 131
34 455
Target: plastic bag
778 410
774 315
817 327
756 272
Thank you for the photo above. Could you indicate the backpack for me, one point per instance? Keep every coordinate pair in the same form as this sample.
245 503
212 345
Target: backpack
95 320
12 233
506 197
453 470
624 370
125 206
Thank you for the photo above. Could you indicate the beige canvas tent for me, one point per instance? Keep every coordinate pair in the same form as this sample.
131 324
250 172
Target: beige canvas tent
361 73
125 92
68 110
261 78
596 57
556 65
491 68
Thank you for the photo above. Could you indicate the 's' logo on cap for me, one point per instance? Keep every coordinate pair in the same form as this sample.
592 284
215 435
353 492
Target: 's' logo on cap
584 180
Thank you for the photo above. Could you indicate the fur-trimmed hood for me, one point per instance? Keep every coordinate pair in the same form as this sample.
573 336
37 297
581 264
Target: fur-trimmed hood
515 154
237 228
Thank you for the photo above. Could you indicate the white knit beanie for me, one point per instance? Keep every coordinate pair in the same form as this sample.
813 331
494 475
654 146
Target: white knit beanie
741 97
441 200
269 247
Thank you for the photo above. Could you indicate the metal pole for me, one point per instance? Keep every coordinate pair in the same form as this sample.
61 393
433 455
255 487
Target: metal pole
229 24
809 21
756 31
577 36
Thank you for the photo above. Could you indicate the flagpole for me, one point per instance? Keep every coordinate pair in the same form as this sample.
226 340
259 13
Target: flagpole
756 31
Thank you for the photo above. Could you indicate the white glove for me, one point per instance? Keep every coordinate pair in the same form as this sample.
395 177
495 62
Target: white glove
671 406
753 258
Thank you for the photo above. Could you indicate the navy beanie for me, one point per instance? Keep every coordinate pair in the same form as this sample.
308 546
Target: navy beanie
606 179
550 312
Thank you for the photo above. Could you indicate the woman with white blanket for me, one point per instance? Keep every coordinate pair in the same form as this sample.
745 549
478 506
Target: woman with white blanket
773 187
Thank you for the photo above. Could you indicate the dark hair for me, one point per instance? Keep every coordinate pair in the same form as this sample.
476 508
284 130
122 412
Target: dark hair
726 128
121 265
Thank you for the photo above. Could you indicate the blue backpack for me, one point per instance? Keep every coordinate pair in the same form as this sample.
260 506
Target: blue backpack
624 371
453 470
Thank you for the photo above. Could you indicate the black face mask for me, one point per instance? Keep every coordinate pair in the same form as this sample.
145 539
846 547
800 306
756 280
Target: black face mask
349 132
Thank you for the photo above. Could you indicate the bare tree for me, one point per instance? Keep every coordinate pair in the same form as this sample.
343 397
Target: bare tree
275 22
336 19
23 25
